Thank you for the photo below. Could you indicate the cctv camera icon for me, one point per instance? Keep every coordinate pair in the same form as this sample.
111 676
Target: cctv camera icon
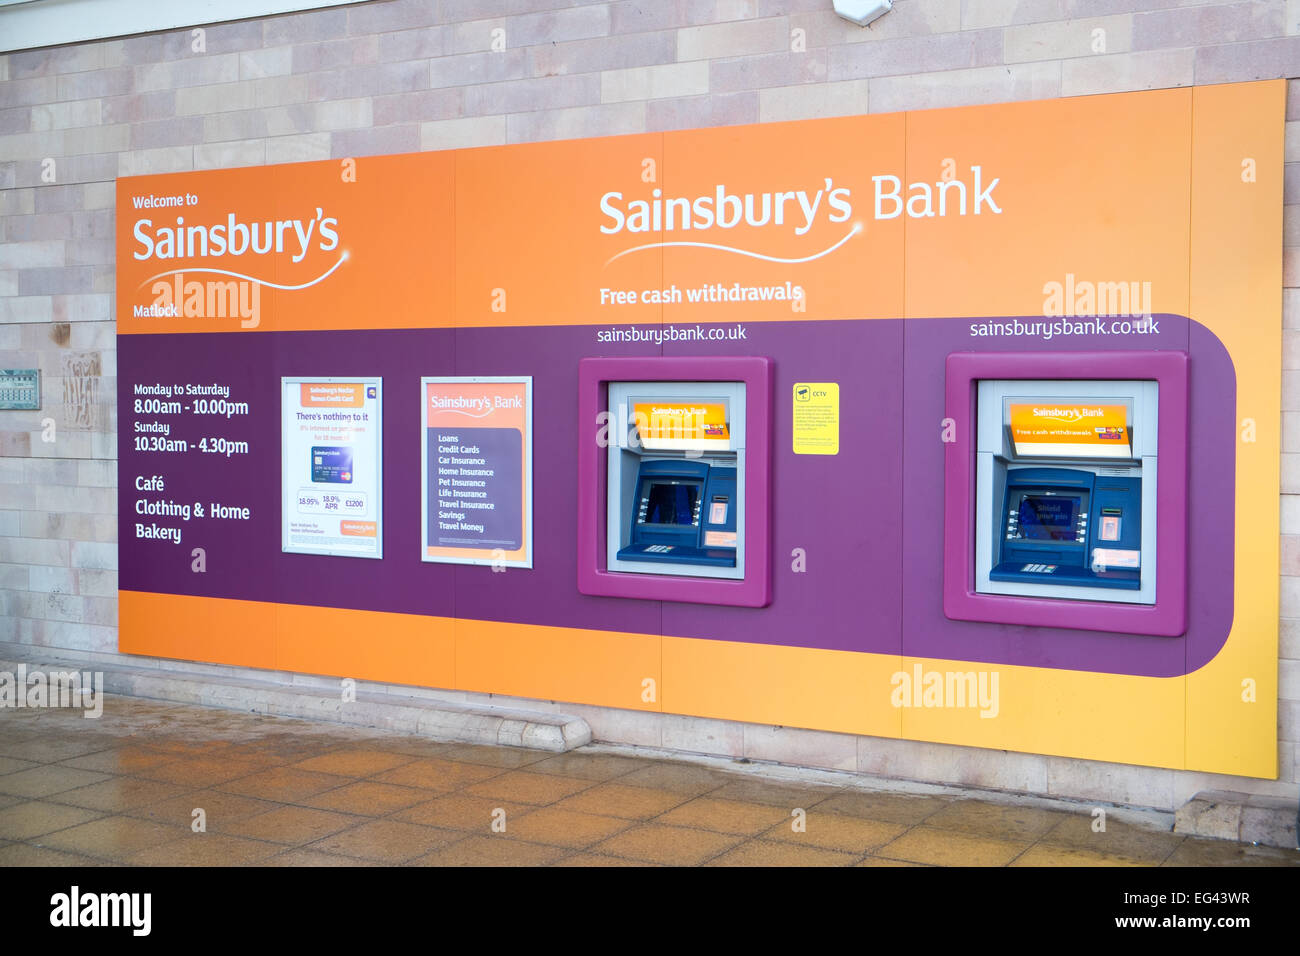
863 12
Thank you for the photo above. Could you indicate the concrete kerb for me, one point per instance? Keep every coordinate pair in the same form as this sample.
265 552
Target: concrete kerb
1244 817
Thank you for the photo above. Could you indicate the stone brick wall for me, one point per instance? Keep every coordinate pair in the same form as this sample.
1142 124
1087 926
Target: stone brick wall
403 75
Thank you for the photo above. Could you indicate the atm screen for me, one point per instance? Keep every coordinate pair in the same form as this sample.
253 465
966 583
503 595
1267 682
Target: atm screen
1048 518
671 503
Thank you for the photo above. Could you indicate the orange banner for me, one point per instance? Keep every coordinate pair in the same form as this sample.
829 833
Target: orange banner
689 421
333 395
1069 423
364 243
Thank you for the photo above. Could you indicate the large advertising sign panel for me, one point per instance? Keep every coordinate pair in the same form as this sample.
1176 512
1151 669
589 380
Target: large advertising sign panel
862 256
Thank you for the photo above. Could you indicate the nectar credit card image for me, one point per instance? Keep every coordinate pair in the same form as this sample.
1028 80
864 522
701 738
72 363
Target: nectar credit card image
331 465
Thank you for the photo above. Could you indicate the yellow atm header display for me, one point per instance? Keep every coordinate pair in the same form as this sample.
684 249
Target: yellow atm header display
1070 429
679 424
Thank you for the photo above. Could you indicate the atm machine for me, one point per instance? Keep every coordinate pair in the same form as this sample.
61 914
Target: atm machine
1066 481
676 479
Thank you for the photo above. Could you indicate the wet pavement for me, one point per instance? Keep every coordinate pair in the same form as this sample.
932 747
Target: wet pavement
160 784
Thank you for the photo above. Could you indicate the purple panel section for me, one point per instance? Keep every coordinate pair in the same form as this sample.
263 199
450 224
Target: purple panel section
503 525
755 590
1209 547
874 579
244 559
241 556
1211 496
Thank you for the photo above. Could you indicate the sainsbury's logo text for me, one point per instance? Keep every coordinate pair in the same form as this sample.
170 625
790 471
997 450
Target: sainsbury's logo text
724 209
797 209
235 238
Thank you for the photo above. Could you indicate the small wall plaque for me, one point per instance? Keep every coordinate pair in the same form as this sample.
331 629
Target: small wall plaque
20 388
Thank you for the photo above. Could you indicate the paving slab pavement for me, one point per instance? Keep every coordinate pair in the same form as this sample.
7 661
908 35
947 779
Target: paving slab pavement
163 784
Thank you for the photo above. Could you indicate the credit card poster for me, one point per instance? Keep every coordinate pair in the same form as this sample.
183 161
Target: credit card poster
331 459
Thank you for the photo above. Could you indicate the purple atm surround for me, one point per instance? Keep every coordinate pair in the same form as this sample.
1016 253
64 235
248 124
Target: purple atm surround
594 374
1168 616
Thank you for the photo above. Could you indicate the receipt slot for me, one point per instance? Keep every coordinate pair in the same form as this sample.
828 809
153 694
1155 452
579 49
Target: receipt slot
675 480
676 468
1066 485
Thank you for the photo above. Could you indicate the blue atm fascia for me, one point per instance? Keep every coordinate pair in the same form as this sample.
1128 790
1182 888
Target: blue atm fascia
690 493
1053 518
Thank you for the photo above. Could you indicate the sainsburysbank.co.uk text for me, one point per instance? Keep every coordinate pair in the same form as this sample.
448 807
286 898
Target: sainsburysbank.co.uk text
671 333
1050 328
